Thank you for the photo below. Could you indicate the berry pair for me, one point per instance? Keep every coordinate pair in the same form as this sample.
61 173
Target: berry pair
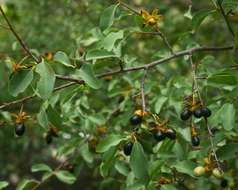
198 113
160 135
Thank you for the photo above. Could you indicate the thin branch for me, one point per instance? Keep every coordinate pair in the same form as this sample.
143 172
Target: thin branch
24 99
210 134
5 27
131 69
226 19
22 43
142 89
165 40
128 7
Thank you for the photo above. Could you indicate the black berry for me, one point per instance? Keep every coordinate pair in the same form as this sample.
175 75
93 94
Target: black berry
224 183
19 129
48 138
171 134
159 136
127 148
206 112
185 115
198 113
135 119
195 140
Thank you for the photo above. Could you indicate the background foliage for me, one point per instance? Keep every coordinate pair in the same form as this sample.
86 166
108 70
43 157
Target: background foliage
89 38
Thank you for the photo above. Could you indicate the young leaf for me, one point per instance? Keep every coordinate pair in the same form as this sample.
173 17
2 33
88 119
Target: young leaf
42 118
3 184
46 83
108 142
26 184
99 54
107 17
62 58
199 17
65 176
110 40
20 81
40 167
87 74
139 163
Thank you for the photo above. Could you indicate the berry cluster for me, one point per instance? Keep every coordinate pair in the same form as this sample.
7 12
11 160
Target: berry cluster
159 130
209 169
194 107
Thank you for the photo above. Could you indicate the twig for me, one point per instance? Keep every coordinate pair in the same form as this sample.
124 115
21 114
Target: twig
210 134
165 40
22 43
127 7
226 19
142 89
5 27
24 99
131 69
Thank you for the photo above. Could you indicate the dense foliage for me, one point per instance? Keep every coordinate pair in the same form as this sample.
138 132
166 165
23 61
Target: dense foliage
128 95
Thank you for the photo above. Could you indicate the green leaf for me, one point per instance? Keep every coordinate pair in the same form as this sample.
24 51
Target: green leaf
223 78
46 83
107 17
199 17
108 142
40 167
228 151
109 41
87 74
139 163
26 184
122 168
20 81
159 103
86 154
3 184
62 58
65 176
42 118
228 116
185 167
99 54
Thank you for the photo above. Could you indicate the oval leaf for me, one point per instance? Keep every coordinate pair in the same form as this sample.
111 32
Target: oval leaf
40 167
62 58
20 81
65 176
139 163
46 83
87 74
107 17
108 142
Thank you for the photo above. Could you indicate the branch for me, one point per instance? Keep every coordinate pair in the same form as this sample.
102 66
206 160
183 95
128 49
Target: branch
131 69
226 19
22 43
143 92
24 99
128 7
